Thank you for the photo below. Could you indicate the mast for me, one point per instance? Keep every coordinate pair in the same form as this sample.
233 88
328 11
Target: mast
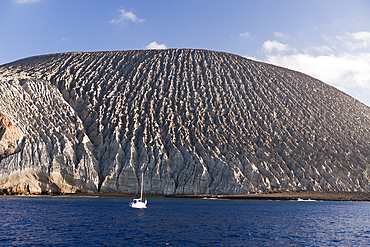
142 186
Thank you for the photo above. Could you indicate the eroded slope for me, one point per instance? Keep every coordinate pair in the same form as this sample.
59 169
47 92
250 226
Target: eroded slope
193 121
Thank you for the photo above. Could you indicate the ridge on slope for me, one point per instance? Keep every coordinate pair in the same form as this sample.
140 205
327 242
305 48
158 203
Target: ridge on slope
193 121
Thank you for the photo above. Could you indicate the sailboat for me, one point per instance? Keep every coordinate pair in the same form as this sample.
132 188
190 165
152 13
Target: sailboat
140 203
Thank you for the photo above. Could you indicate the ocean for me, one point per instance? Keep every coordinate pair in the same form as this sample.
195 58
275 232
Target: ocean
109 221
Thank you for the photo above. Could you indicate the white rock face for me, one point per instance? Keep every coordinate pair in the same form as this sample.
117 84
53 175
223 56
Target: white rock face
53 153
193 121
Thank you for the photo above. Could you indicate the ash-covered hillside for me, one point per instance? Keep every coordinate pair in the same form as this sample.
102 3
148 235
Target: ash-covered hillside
193 121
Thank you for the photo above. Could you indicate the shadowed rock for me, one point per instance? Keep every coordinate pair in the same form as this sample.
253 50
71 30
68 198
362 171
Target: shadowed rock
9 137
193 121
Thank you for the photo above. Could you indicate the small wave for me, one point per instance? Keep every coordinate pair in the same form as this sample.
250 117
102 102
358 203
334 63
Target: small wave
215 198
305 200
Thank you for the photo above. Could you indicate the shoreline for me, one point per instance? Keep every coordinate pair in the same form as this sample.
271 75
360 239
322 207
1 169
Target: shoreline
278 196
293 196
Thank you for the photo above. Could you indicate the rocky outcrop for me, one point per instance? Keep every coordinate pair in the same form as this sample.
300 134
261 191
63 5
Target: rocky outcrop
9 137
55 155
193 121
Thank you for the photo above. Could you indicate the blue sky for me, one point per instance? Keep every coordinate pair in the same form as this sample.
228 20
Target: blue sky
327 39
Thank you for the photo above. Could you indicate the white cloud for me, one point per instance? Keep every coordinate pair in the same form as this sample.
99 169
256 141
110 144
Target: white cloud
245 35
345 71
279 35
343 61
361 40
26 1
365 36
155 46
349 41
270 46
320 50
126 16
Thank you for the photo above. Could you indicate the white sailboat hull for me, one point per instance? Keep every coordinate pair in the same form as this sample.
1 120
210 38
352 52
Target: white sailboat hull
137 203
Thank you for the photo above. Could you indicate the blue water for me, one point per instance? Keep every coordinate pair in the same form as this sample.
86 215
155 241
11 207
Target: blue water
102 221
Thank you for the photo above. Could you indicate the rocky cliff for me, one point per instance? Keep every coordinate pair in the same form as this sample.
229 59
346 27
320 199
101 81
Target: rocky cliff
193 121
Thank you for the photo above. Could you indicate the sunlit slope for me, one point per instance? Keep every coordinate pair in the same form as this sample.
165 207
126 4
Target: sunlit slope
193 121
